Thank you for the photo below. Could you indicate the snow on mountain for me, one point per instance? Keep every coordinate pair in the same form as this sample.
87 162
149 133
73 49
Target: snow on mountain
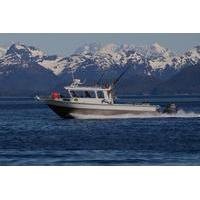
107 55
20 54
159 57
22 65
147 59
22 49
53 63
191 57
102 56
154 57
158 48
23 56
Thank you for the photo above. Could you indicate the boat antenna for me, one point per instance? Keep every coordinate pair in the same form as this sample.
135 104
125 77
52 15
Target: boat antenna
120 76
127 68
72 74
146 57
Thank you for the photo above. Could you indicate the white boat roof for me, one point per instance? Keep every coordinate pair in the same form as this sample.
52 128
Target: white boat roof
86 88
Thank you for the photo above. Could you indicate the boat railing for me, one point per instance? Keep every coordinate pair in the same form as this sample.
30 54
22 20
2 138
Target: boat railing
50 98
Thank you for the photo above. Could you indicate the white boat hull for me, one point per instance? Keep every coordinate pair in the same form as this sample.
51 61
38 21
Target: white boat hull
67 109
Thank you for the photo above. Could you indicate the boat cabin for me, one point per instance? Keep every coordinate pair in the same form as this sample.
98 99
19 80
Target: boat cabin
91 95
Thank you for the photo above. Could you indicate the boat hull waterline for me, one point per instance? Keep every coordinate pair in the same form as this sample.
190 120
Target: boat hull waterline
71 110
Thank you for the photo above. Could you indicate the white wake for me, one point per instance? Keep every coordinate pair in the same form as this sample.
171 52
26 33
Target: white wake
179 114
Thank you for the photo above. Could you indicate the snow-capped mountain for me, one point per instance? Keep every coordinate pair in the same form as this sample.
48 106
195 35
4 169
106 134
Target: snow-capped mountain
23 56
53 63
191 57
153 57
145 59
159 56
148 63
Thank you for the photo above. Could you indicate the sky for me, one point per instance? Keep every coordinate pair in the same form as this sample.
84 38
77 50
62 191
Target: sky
66 43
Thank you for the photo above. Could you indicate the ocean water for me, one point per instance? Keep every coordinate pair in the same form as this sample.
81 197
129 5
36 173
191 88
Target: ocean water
31 134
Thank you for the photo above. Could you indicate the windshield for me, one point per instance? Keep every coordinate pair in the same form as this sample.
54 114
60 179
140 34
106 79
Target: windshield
100 94
83 94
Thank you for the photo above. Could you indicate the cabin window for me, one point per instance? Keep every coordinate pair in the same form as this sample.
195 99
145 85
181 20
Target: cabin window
67 95
100 94
78 94
90 94
82 94
73 93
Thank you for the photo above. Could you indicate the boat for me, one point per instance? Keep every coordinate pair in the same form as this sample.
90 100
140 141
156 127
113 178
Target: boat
96 101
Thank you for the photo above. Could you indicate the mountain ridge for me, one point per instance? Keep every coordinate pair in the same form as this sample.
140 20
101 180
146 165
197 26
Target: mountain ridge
150 67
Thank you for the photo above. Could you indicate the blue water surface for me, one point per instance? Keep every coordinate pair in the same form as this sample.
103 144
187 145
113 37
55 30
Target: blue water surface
31 134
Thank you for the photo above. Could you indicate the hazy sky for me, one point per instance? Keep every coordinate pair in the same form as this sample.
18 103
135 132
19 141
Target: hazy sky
65 44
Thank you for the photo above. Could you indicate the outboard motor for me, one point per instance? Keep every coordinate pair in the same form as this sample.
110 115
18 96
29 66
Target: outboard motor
170 109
